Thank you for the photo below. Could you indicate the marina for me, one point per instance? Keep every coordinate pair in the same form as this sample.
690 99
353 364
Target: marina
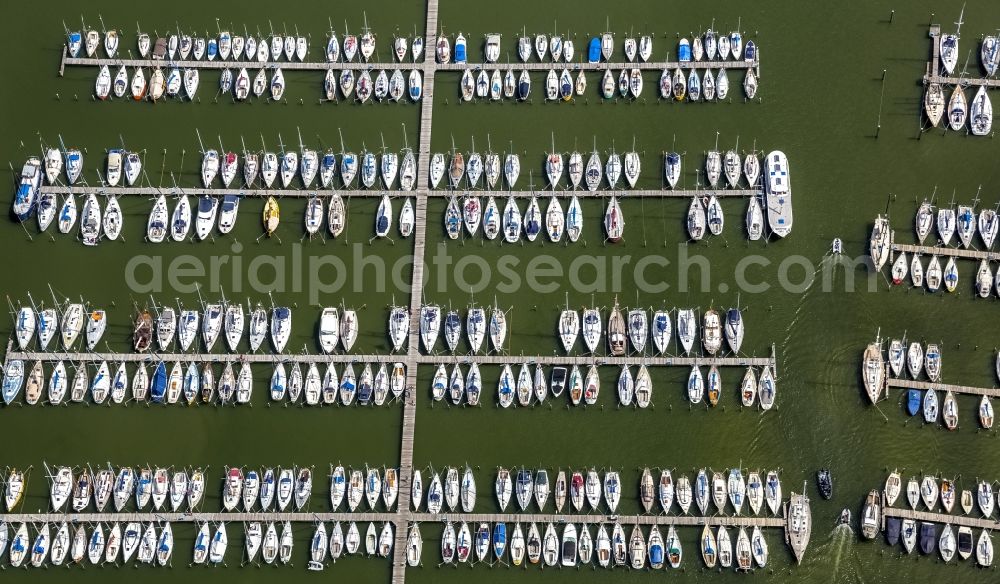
152 192
933 71
651 246
991 392
912 526
296 484
314 516
68 61
340 547
939 518
932 399
165 53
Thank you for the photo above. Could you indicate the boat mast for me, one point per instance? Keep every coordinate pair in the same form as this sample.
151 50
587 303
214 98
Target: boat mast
200 300
473 151
302 147
57 306
201 144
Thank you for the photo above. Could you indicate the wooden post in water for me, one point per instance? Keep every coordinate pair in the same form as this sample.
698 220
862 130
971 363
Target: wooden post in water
878 127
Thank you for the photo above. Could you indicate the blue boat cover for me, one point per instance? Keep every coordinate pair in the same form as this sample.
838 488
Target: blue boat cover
913 401
684 52
594 50
656 554
159 385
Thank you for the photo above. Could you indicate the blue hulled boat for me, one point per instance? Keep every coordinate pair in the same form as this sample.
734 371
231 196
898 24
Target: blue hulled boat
158 387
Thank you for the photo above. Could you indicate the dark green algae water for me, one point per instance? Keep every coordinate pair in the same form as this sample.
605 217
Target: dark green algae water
821 96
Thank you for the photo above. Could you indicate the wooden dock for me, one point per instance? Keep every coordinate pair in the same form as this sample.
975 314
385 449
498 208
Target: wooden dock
956 252
597 519
957 389
411 359
602 360
933 70
990 523
381 517
430 65
600 67
426 66
409 423
419 192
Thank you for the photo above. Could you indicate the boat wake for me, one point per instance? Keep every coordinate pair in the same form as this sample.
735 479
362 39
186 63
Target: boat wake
839 543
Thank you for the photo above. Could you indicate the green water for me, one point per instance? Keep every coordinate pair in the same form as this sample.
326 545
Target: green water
821 89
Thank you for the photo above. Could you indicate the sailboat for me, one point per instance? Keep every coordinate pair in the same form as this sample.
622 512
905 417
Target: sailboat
616 331
383 217
949 47
281 327
614 221
958 109
934 104
399 326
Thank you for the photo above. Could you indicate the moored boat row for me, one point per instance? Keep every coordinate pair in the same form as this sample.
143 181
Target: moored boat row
224 46
711 46
583 490
704 218
193 383
657 328
934 403
929 492
582 385
215 320
300 169
570 83
569 545
722 169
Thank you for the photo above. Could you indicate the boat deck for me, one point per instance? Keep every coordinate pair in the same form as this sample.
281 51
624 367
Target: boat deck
933 71
957 389
420 192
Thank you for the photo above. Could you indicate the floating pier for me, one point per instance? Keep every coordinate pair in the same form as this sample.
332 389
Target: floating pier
420 193
409 422
957 389
382 517
425 66
957 252
933 71
411 359
941 518
599 67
